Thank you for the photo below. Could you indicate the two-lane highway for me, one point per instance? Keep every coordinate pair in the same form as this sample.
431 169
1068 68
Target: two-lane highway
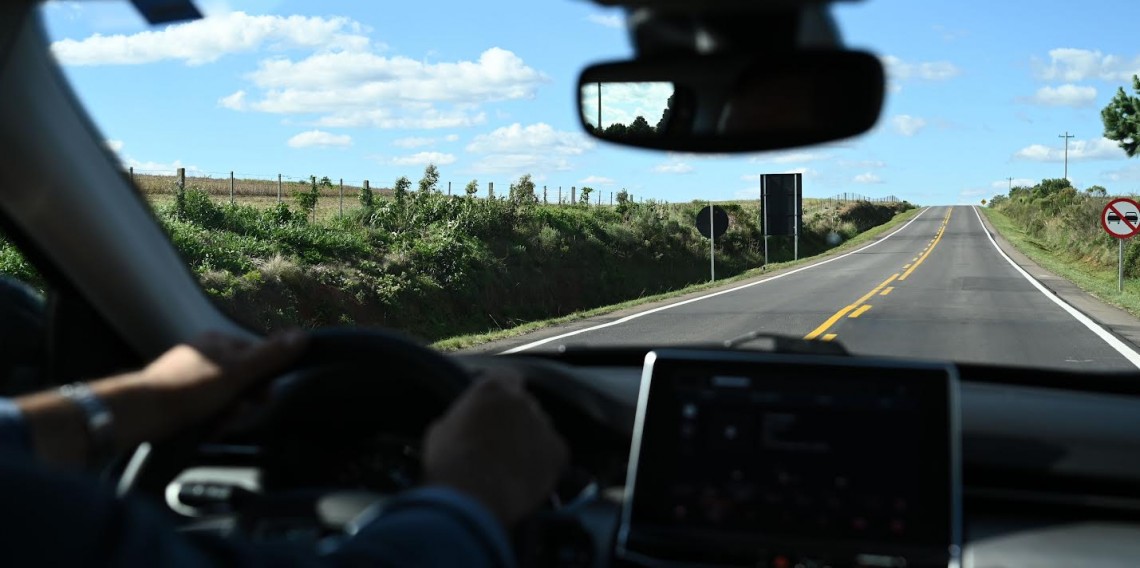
938 287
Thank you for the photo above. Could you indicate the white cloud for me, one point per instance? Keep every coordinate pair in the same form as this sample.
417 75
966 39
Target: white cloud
535 148
1079 151
806 172
973 192
235 101
867 177
673 166
413 142
207 40
907 125
1068 64
366 89
160 168
596 180
319 138
451 138
789 158
1005 183
534 137
114 145
607 20
1065 95
899 71
423 159
624 102
862 164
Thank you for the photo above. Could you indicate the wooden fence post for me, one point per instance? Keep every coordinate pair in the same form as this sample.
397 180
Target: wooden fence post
342 197
544 195
490 190
573 194
132 174
231 188
279 188
449 189
181 179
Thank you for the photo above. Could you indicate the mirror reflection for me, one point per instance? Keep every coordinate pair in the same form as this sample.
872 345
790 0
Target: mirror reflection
627 109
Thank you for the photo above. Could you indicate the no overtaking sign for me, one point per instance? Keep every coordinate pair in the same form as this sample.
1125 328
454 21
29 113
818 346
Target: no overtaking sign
1121 218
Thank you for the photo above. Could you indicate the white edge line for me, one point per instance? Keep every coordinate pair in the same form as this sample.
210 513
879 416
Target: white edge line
705 297
1100 332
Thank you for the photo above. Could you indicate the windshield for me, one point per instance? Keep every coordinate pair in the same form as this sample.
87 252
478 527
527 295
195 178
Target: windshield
424 168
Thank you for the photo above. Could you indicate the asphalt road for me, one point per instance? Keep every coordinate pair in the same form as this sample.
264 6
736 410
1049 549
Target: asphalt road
937 288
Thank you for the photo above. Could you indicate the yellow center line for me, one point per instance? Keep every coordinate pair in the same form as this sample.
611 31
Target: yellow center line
862 310
886 291
829 337
937 237
838 315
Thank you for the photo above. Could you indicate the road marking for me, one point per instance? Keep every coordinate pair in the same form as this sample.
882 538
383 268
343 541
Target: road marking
839 315
906 266
862 310
1100 332
886 291
631 317
915 258
937 237
829 337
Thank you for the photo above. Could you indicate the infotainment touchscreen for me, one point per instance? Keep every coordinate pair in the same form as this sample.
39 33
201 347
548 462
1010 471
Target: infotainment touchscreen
759 459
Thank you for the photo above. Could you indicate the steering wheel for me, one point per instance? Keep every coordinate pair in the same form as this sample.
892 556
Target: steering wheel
338 387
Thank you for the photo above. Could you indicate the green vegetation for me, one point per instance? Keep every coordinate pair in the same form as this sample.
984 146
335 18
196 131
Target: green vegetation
1122 119
1059 228
438 266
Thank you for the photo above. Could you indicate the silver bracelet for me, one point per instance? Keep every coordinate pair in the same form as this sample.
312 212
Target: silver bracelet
99 420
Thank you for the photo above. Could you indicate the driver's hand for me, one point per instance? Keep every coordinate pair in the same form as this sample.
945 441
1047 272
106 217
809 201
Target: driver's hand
498 446
196 380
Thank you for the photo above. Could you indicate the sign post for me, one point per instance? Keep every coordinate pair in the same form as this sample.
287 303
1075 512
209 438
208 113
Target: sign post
712 222
1121 219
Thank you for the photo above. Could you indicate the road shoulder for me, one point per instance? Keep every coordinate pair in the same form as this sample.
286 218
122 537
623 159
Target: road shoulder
1117 321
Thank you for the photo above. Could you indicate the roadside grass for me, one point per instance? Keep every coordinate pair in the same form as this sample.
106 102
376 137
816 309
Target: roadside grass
1092 278
473 340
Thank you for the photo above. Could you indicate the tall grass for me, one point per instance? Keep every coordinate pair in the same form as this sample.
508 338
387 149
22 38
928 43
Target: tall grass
438 266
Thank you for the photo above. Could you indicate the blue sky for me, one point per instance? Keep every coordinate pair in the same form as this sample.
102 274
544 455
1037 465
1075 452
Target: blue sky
979 92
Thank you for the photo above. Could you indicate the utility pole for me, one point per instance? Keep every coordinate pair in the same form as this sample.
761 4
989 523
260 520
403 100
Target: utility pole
1010 183
1066 136
599 106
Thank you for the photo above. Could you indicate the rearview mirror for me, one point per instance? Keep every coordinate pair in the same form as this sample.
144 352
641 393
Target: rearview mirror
733 103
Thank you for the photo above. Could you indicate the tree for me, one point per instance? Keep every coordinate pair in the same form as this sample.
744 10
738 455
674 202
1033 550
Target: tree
615 130
585 199
1049 187
663 122
1121 119
472 188
522 191
367 198
1097 190
624 202
307 200
400 190
325 182
430 182
639 128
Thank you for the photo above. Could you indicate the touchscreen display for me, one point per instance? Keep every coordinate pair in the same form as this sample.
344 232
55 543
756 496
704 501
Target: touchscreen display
774 449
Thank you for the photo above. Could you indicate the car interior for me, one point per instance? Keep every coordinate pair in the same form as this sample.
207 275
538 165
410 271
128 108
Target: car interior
771 451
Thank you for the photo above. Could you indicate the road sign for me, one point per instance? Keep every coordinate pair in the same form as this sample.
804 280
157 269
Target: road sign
1121 218
718 221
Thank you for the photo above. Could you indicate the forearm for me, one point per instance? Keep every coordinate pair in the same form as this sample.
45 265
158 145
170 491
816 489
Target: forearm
57 426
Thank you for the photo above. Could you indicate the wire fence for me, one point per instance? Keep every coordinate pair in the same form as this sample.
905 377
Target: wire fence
252 189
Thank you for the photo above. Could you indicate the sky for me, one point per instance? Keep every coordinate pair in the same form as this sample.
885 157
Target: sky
978 92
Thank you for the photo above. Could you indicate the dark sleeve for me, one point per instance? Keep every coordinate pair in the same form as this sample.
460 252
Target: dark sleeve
430 526
52 518
14 440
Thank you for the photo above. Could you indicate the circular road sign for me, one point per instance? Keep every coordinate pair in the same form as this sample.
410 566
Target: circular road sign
719 221
1121 218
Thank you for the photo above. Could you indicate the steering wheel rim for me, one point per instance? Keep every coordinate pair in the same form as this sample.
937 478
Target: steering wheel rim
362 360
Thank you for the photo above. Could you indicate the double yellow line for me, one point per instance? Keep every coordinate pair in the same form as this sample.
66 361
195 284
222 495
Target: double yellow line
930 247
859 307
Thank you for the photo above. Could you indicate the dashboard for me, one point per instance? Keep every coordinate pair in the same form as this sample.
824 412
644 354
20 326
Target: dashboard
1032 469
